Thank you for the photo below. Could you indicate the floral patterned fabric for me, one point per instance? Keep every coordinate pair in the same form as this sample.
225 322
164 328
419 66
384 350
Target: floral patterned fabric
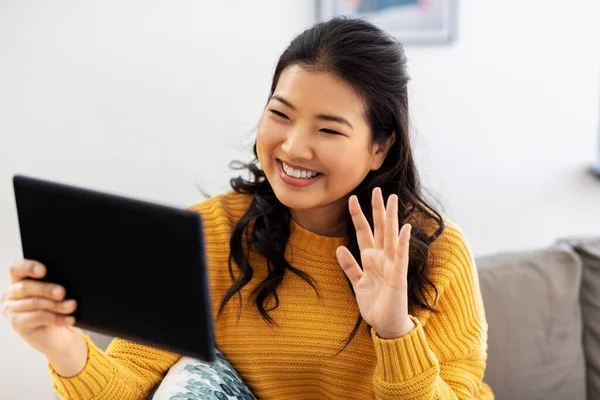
192 379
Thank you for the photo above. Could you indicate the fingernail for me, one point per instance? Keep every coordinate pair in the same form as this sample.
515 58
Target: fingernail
69 303
56 292
38 270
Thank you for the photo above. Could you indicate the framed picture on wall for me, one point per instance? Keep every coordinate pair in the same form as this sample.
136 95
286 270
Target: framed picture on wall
410 21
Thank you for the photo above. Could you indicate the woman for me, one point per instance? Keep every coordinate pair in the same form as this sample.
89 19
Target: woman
331 276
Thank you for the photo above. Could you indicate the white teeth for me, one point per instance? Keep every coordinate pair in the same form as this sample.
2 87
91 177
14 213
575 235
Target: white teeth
297 173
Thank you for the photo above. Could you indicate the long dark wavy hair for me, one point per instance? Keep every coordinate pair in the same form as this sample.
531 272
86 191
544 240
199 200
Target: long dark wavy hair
374 65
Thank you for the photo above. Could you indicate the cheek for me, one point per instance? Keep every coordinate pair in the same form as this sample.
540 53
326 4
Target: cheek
346 161
264 139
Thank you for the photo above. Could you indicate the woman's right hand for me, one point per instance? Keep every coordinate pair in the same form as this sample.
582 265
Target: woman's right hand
39 312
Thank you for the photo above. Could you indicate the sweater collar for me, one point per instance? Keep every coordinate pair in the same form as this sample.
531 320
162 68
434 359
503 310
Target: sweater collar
310 242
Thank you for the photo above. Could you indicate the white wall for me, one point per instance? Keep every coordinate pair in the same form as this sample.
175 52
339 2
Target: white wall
143 98
150 99
507 121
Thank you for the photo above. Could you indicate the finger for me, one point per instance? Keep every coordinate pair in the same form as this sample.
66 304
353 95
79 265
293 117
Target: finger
401 261
364 236
391 227
39 304
32 288
35 319
349 264
26 269
378 217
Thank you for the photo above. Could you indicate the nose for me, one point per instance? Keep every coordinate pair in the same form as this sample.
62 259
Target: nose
296 145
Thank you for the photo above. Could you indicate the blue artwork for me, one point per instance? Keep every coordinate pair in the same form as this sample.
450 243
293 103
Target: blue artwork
411 21
365 6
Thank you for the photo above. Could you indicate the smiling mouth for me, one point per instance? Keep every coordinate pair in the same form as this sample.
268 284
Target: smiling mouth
297 173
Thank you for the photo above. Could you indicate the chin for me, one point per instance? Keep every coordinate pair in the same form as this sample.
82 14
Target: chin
295 200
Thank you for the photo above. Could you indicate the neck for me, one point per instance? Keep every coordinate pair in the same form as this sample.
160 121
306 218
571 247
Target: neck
328 220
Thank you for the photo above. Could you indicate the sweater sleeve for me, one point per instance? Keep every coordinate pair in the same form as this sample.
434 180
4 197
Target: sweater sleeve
126 371
444 357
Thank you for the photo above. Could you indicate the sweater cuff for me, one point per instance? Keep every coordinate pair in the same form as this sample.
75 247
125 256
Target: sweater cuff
90 381
399 360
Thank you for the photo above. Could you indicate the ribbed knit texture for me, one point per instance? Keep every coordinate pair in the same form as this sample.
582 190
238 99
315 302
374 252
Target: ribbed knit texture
442 358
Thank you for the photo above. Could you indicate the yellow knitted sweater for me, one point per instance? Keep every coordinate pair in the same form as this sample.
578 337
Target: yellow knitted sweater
442 358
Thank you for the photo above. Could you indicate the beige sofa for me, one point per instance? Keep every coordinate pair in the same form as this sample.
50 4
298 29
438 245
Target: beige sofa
543 310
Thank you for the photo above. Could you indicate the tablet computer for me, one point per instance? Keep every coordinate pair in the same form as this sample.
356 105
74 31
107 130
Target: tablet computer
137 269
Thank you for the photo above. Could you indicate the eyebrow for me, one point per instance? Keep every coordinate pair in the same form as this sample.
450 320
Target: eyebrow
324 117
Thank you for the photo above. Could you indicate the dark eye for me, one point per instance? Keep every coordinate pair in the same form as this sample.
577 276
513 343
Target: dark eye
330 132
279 114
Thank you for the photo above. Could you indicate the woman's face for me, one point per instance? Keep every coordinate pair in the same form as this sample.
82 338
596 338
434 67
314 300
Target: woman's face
313 141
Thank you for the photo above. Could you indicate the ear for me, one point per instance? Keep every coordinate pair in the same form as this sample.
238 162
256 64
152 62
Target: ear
380 151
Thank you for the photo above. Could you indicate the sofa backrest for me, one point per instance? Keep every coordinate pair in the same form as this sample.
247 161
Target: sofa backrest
589 251
532 306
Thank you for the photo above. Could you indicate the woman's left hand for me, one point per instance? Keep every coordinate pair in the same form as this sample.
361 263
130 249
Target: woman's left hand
381 287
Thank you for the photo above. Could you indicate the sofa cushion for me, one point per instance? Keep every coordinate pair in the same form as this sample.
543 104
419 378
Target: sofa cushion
532 307
589 251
